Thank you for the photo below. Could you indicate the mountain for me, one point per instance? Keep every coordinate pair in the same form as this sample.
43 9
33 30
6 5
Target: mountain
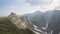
46 23
37 22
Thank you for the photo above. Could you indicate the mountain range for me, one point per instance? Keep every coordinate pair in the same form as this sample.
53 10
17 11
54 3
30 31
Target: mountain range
44 22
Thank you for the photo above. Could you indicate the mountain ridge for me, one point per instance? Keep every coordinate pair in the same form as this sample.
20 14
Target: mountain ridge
47 22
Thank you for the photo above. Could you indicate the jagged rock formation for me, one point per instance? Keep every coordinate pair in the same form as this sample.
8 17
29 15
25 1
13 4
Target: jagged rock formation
17 21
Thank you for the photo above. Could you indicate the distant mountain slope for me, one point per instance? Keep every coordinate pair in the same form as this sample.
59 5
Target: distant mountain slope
48 22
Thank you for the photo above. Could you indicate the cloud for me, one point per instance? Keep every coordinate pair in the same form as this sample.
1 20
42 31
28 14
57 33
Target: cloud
28 8
39 2
21 7
56 4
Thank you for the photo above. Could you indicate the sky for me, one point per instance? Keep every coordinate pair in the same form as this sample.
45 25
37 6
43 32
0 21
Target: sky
21 7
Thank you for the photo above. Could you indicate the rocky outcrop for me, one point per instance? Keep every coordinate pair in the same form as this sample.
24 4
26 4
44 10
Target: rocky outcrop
17 21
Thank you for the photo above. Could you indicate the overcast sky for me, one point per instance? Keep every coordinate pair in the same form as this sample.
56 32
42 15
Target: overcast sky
27 6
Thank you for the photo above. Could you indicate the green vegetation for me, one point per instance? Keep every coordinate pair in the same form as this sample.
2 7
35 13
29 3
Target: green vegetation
6 27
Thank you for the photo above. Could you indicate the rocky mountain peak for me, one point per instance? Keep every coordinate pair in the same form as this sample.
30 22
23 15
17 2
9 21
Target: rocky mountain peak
17 21
12 13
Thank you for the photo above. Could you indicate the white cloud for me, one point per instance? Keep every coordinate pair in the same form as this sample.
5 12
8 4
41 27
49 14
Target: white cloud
39 2
26 8
56 4
30 6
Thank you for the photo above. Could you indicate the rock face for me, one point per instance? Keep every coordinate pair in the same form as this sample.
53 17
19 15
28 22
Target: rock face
17 21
